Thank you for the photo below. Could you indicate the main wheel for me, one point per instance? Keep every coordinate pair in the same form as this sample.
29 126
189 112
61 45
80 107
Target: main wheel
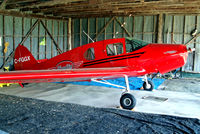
148 87
127 101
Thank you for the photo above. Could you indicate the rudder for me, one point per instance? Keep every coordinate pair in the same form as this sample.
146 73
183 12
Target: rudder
23 59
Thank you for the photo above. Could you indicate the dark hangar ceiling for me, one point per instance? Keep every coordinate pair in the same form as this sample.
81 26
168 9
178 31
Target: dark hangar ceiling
62 9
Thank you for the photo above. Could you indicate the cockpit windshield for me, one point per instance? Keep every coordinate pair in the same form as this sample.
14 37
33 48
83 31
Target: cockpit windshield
134 44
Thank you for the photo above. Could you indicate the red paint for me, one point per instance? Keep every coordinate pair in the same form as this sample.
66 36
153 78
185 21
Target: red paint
149 59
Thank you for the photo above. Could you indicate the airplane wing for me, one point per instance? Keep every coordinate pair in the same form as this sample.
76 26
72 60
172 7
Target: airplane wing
37 76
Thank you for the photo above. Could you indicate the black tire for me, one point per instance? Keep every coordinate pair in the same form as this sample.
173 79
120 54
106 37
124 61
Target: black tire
127 101
148 88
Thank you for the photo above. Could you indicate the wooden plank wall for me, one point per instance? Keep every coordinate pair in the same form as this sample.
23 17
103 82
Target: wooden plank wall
140 27
178 29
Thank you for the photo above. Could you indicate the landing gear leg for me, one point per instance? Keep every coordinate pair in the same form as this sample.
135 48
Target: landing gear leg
127 100
147 85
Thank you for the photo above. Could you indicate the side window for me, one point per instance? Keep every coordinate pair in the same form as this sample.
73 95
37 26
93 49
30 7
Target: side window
114 49
89 54
129 48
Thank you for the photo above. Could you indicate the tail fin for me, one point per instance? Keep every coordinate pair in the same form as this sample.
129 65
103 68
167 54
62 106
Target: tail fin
23 59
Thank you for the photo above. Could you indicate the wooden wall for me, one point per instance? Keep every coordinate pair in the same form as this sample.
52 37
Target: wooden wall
140 27
13 29
178 30
174 29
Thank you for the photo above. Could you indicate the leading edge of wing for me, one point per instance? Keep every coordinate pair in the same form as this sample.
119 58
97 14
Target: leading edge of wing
36 76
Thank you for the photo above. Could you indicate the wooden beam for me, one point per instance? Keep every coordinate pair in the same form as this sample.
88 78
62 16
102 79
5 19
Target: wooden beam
102 8
57 47
31 40
183 38
3 4
20 14
96 27
13 33
53 3
88 32
38 43
154 29
143 27
194 54
58 34
114 29
124 22
172 33
52 28
69 34
4 58
80 31
133 26
30 31
104 27
64 36
123 27
45 36
72 34
160 29
193 39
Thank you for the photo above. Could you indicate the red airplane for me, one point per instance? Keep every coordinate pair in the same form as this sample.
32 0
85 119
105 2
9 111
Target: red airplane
110 58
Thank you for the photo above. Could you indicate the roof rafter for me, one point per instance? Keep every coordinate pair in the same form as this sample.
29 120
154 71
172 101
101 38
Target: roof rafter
93 8
3 4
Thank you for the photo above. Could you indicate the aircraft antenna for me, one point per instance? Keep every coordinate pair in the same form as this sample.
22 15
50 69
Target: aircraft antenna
88 36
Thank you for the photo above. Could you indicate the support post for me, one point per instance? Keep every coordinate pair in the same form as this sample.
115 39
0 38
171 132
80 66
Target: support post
45 36
160 28
69 34
96 27
64 37
13 33
80 31
4 55
38 43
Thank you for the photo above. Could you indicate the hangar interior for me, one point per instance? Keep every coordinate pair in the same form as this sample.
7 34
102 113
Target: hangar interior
73 23
50 27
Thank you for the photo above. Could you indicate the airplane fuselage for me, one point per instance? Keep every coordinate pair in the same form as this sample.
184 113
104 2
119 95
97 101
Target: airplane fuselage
150 58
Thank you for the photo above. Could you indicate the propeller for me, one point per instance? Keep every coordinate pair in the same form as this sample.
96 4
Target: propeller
190 50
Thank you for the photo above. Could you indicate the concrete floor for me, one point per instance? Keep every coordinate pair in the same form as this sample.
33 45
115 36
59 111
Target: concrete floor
172 98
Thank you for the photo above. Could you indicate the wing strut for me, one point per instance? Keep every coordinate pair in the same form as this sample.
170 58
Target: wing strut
127 84
107 83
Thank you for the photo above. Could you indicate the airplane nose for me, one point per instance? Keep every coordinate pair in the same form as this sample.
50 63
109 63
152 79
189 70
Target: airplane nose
184 52
191 50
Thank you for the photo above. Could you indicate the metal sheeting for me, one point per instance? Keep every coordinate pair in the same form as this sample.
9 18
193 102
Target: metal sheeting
13 29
